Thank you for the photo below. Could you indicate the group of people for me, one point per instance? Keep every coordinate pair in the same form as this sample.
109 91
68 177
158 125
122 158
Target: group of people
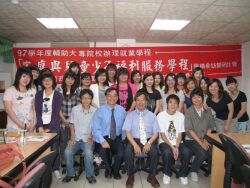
124 116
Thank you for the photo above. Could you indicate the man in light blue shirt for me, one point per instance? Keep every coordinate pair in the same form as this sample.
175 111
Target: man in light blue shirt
81 137
142 131
107 125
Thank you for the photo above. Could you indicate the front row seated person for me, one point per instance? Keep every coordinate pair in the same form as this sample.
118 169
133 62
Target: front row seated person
198 122
171 123
81 138
142 129
107 125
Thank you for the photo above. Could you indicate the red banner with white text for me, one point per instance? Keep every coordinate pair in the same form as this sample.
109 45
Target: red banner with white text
216 61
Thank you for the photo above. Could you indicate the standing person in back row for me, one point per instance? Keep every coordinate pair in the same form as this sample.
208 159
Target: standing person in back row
107 125
153 104
19 102
48 103
222 104
240 105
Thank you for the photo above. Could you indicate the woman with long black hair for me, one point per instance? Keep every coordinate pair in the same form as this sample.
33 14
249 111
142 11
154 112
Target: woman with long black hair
70 99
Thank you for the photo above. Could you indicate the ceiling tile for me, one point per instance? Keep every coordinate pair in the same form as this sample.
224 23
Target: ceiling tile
90 9
136 27
95 22
196 2
238 3
9 10
98 32
243 19
183 41
67 32
235 28
102 39
134 10
190 35
166 35
219 36
222 13
183 12
46 9
202 26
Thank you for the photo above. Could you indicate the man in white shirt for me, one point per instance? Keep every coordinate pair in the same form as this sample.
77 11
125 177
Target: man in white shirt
171 124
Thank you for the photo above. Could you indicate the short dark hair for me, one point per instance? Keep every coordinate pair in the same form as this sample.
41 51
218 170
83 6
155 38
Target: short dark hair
20 71
174 97
110 89
86 75
197 91
133 73
230 80
139 93
98 73
86 91
51 76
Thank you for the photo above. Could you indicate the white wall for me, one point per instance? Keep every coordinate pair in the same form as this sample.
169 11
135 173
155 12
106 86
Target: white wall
245 86
7 73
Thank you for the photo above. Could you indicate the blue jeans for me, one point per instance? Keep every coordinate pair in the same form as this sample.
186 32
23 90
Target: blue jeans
87 153
243 127
184 154
200 155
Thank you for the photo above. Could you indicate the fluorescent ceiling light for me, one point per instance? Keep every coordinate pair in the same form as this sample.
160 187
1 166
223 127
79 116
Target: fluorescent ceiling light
174 25
58 23
15 2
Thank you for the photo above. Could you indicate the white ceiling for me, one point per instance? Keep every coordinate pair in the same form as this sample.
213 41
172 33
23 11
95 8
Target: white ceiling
212 21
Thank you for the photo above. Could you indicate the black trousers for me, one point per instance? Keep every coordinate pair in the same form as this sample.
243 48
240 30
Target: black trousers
129 158
116 150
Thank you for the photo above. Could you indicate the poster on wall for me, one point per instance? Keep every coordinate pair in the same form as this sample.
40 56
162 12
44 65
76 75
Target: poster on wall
216 61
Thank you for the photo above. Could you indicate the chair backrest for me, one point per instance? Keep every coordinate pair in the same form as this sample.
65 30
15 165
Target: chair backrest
33 178
245 170
48 160
235 157
237 154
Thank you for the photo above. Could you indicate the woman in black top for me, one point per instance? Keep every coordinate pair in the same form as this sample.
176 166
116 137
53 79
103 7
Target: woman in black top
240 105
222 104
154 94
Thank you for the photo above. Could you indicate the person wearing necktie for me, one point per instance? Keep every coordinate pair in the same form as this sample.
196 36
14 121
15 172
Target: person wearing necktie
107 125
142 129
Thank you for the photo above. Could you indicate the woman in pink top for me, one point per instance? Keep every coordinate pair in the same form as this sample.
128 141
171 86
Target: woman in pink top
126 90
19 102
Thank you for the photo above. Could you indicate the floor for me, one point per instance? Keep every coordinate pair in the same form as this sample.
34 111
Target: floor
140 182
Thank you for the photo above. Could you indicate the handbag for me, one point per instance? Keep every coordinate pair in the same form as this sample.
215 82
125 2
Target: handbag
8 152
